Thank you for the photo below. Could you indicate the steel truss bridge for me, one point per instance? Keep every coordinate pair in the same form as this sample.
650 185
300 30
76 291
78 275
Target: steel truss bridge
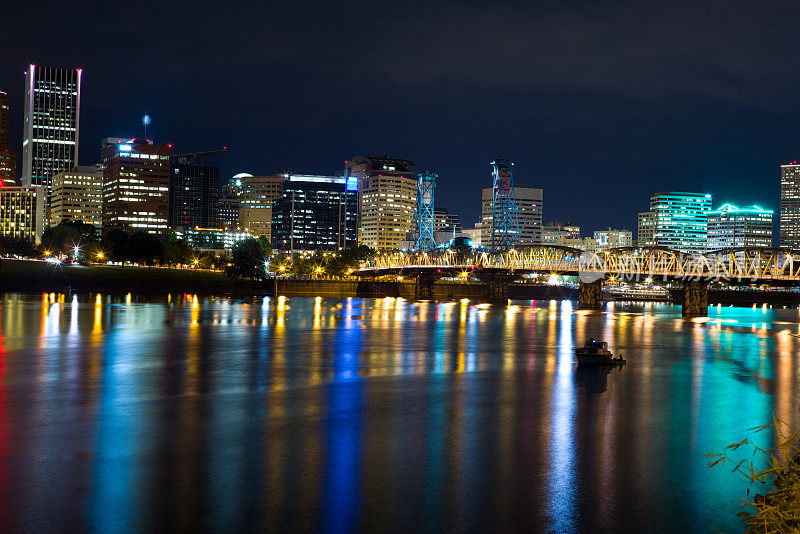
745 265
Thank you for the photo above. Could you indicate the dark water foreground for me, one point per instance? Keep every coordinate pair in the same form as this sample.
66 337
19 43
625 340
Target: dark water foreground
119 415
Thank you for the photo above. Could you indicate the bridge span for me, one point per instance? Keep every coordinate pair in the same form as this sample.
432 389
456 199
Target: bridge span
746 265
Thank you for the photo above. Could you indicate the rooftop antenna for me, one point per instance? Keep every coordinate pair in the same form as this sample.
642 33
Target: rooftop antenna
145 122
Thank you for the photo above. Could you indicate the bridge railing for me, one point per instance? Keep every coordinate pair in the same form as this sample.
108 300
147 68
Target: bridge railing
751 263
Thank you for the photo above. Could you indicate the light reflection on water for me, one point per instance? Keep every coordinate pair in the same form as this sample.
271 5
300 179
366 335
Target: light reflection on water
122 413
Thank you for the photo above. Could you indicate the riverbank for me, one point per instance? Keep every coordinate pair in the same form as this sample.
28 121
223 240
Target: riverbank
38 276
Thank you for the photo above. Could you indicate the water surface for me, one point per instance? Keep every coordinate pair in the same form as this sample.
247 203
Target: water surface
185 413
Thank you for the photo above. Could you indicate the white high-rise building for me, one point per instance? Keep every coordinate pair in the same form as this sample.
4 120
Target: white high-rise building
387 197
612 238
529 214
78 196
52 122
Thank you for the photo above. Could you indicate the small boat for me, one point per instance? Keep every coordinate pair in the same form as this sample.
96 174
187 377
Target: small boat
596 352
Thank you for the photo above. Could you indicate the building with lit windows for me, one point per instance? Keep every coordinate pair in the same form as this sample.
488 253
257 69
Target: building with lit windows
529 213
256 194
789 224
586 244
213 238
387 196
645 229
444 221
474 234
612 238
315 213
51 124
22 212
194 190
8 160
78 196
680 221
554 231
229 204
135 185
731 227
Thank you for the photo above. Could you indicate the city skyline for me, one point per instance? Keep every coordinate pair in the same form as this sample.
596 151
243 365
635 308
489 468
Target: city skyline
670 125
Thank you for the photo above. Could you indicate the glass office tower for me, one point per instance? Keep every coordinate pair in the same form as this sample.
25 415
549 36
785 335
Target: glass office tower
731 227
51 126
680 220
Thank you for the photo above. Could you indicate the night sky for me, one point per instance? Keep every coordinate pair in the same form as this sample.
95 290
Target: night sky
599 104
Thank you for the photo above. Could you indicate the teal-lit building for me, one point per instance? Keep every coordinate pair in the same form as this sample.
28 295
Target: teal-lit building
731 226
680 220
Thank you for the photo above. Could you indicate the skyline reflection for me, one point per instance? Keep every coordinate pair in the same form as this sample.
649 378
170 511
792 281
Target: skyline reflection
127 413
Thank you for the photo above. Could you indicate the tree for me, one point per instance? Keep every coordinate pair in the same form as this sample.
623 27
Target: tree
68 235
115 245
145 248
247 260
17 246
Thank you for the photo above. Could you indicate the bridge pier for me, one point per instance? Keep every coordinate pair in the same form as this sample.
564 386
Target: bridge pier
423 287
497 284
591 295
695 298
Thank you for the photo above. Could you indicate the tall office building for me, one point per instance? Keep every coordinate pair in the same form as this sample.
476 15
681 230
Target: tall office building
78 196
52 123
789 231
731 227
529 214
194 190
228 210
387 196
135 185
22 212
256 194
557 231
8 161
315 213
612 238
645 229
681 220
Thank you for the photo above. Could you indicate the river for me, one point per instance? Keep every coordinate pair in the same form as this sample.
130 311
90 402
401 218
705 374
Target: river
192 413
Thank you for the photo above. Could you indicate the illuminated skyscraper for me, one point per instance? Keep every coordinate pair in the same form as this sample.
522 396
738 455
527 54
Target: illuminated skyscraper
315 213
194 190
256 194
680 220
135 185
789 232
529 214
387 196
51 127
730 227
8 163
228 211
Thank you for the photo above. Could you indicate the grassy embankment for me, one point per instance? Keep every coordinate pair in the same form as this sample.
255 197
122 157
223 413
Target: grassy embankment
38 276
